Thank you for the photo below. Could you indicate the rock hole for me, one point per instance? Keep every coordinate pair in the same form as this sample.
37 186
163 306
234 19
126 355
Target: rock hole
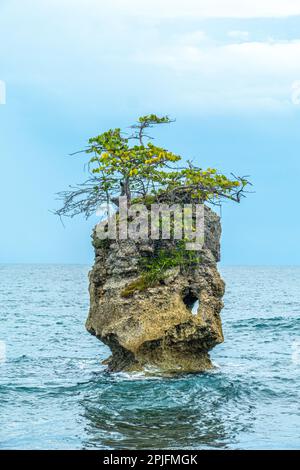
191 302
195 307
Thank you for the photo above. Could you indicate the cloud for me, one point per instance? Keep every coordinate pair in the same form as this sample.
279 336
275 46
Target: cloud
295 92
166 9
193 38
131 52
249 74
2 92
206 8
240 35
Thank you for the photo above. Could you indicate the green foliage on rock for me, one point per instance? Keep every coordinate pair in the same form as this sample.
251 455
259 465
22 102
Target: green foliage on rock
101 244
155 269
131 165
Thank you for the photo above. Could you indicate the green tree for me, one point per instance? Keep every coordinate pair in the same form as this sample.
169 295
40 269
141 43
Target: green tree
132 166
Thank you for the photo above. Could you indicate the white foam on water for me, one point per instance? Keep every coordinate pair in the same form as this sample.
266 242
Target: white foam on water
2 351
148 373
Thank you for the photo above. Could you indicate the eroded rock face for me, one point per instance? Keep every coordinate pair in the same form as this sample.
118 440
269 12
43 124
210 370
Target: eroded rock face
157 327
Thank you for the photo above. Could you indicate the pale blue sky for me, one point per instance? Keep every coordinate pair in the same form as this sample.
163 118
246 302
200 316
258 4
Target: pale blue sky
227 70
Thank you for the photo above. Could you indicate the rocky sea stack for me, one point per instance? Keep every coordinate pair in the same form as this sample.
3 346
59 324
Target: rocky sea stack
152 301
155 304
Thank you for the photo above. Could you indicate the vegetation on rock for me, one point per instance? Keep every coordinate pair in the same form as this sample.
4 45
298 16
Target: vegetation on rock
132 166
155 268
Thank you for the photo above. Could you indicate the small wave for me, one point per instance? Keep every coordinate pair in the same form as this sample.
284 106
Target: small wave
267 323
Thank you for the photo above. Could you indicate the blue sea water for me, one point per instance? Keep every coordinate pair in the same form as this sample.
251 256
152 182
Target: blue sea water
55 394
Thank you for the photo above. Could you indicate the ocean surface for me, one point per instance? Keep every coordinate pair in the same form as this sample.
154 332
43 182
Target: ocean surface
55 394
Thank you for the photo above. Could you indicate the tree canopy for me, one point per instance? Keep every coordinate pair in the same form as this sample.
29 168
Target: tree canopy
131 165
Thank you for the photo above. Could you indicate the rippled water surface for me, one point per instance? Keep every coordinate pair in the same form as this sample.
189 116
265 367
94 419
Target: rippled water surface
54 392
